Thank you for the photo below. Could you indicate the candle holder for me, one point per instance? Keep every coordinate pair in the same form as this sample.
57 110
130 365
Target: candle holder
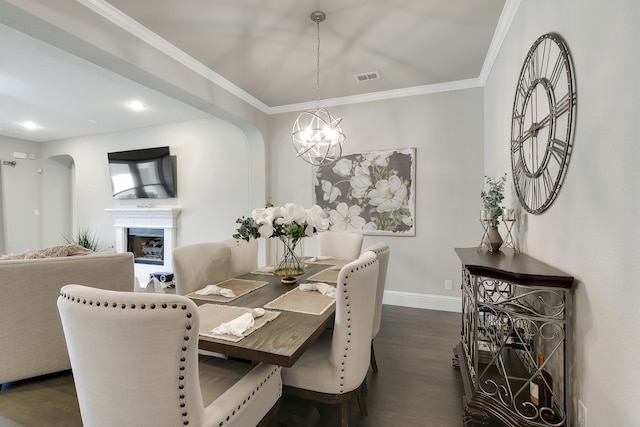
509 218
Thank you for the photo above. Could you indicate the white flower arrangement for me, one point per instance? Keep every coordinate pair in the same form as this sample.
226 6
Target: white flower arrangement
291 220
290 223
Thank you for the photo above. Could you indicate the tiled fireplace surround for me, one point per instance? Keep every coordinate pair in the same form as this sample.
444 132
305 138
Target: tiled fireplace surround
157 218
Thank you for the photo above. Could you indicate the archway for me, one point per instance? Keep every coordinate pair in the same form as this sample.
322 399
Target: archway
58 212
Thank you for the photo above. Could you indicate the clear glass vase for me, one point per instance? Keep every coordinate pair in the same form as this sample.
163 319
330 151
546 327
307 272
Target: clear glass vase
289 258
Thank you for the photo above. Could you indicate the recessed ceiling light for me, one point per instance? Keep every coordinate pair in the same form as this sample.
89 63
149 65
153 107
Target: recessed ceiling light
30 125
137 106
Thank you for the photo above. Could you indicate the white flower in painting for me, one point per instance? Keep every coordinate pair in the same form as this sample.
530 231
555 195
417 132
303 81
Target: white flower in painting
316 218
342 167
345 217
388 195
378 158
407 220
331 193
370 226
360 182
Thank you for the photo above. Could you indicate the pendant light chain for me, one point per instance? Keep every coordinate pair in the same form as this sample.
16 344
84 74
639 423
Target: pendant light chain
318 64
316 134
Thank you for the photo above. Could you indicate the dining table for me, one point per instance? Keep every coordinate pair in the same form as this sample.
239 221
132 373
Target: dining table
285 338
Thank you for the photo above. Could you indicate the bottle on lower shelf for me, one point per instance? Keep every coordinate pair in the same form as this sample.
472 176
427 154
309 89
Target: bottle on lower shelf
540 392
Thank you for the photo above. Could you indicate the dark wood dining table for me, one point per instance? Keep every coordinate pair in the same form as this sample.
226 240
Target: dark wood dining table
281 341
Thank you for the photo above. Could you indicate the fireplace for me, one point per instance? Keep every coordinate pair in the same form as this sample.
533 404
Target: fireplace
150 233
146 244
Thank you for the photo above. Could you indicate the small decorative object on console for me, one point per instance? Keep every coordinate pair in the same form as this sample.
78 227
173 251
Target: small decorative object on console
490 215
509 218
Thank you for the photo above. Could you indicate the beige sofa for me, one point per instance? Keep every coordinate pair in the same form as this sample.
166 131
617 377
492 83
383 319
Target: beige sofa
31 339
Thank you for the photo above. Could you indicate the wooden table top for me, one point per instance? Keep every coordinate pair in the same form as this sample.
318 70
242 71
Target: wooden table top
283 340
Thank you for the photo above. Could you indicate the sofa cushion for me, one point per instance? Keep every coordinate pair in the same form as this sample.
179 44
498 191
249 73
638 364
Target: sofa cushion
32 342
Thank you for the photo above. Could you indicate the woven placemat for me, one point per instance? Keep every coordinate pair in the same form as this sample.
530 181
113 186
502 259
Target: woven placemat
239 287
308 302
265 271
328 275
213 315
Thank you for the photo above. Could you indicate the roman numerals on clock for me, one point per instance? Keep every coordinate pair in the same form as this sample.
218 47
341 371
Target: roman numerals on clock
542 122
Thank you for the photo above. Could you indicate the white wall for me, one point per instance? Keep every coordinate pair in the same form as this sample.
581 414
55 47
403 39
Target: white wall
446 129
212 177
56 222
592 230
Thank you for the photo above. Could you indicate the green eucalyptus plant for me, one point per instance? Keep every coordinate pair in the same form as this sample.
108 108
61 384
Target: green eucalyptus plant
493 196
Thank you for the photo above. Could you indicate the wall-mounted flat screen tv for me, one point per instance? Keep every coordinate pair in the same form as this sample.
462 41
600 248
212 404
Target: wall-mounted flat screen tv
142 174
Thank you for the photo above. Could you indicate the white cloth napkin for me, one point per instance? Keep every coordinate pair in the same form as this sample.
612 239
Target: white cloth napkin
266 269
319 258
154 284
216 290
239 325
323 288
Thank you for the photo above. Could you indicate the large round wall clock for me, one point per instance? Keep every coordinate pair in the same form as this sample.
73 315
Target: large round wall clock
542 123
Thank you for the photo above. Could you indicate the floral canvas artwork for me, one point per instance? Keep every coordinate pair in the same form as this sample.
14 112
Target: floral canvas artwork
372 192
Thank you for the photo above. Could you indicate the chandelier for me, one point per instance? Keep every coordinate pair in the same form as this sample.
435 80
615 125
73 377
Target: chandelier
317 136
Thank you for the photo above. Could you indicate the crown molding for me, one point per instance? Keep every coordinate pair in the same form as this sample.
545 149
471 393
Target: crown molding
504 23
378 96
128 24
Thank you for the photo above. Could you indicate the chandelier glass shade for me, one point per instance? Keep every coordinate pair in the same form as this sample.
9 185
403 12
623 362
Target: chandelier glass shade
316 134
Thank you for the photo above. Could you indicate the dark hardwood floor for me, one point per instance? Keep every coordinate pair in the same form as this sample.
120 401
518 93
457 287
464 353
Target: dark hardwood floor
416 384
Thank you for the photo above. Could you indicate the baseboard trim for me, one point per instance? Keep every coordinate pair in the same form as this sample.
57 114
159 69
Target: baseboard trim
427 301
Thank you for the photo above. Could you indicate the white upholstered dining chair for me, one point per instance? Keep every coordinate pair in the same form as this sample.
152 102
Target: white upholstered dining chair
340 244
334 368
135 362
382 251
244 256
200 264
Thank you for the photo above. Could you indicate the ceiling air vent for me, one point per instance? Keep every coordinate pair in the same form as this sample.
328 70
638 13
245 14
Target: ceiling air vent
363 77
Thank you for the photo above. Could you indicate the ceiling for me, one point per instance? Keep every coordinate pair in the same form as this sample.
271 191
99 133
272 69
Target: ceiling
266 49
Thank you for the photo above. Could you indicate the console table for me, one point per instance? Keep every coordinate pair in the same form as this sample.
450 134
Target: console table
514 310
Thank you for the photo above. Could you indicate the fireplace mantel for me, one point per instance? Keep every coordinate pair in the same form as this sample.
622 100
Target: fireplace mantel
163 218
145 217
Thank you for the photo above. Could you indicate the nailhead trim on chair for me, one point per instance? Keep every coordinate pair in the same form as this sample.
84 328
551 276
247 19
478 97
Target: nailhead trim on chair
248 398
183 358
348 305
